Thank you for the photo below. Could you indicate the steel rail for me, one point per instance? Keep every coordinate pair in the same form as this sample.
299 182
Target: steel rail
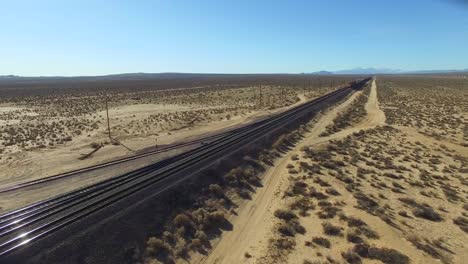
21 185
141 179
10 216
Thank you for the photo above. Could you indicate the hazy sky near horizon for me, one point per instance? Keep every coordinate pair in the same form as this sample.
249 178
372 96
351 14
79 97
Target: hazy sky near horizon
88 37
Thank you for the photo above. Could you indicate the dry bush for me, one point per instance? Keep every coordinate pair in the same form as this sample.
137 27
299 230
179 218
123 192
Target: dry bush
284 243
422 210
386 255
291 228
324 242
427 213
157 247
462 222
351 257
428 247
353 237
331 230
285 214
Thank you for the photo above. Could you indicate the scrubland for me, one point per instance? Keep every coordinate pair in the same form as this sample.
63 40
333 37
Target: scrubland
435 106
61 120
360 189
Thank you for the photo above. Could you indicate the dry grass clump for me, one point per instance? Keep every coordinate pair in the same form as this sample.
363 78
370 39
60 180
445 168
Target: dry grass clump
331 230
431 248
386 255
303 205
157 247
422 210
351 257
328 210
284 243
290 225
291 228
353 237
285 214
321 241
462 222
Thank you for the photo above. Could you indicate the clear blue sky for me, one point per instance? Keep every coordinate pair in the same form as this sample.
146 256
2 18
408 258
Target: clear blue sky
95 37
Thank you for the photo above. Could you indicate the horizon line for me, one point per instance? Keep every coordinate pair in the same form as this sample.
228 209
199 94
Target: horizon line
384 71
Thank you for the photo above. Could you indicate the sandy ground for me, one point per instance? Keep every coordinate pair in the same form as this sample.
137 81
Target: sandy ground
250 241
255 219
42 163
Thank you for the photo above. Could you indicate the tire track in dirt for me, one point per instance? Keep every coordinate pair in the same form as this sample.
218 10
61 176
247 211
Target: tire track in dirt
255 220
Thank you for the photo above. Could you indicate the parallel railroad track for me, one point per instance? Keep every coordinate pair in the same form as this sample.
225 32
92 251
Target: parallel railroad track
22 227
14 187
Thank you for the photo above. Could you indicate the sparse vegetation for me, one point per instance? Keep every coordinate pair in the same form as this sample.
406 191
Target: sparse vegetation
322 241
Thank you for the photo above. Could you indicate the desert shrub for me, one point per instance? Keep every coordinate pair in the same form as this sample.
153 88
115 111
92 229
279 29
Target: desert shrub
291 228
465 207
317 194
386 255
324 242
299 187
462 222
321 182
216 189
427 247
285 243
303 205
200 234
332 191
314 168
403 213
328 212
156 246
286 229
182 220
368 232
353 237
366 203
216 217
196 243
409 201
352 221
244 194
427 213
331 230
422 210
285 214
450 193
351 257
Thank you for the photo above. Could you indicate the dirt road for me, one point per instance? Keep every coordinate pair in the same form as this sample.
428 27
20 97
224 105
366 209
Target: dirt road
255 220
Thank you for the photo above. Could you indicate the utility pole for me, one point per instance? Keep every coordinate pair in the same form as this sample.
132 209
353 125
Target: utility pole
107 114
255 96
261 96
284 94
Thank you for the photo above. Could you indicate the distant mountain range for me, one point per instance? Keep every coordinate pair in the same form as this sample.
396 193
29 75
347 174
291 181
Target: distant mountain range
177 75
384 71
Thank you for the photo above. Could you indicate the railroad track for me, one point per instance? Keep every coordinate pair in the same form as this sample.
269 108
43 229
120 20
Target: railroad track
23 227
21 185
